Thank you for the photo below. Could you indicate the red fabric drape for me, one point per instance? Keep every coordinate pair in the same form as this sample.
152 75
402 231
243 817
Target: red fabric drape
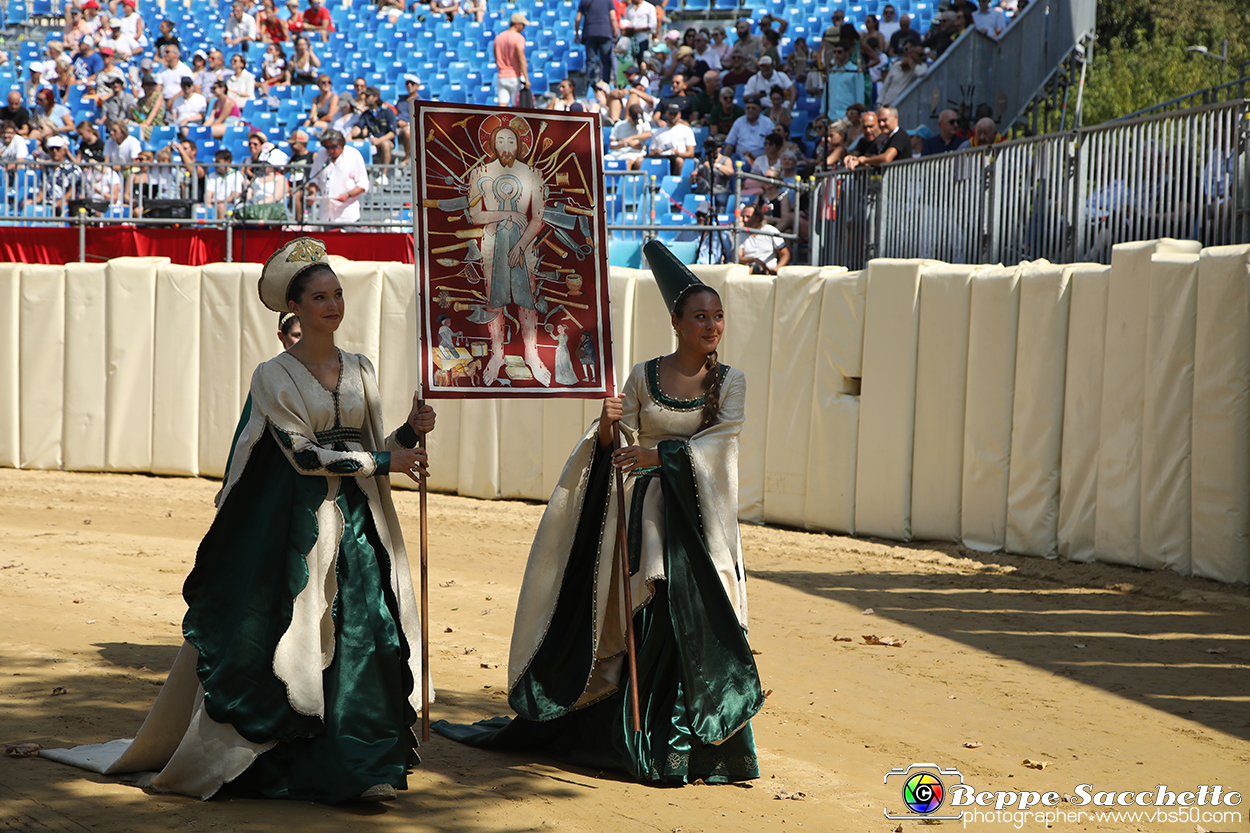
188 246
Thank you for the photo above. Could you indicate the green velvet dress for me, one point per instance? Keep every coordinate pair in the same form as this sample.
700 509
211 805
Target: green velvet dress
697 682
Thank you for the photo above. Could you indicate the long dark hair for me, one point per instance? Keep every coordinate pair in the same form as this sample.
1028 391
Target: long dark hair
711 382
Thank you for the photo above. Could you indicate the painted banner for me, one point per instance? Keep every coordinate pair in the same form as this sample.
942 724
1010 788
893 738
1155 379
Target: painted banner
511 253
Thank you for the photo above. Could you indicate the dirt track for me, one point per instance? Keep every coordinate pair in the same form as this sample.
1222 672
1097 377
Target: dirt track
1113 677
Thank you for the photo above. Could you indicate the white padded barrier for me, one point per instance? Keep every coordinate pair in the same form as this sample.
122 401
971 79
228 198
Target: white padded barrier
788 448
1167 411
1221 418
86 363
521 449
1082 406
42 375
883 460
829 502
1037 411
10 358
992 329
1117 532
131 312
221 392
176 371
941 391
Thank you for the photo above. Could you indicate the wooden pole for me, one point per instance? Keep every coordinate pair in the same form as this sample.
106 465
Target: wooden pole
425 602
622 547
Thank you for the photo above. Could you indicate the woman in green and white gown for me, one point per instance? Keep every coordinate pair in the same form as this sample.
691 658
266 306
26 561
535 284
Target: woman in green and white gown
296 679
697 682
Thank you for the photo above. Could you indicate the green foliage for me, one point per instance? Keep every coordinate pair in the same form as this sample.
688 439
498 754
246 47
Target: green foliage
1140 58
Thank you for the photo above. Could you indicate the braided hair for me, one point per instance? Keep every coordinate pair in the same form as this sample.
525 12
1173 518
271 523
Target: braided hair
711 382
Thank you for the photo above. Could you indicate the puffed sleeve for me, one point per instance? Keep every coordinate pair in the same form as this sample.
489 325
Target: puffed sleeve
279 399
405 436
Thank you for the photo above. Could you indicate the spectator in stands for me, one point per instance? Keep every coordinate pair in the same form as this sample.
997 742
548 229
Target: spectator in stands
942 33
224 110
779 109
703 52
265 196
240 82
171 74
595 26
948 137
674 142
201 75
477 8
680 60
351 107
748 46
304 63
87 63
984 134
412 85
339 180
901 39
564 100
681 96
798 61
216 69
512 72
273 70
707 98
124 46
74 30
721 45
639 22
888 25
188 107
770 158
724 114
262 153
378 126
297 168
16 113
294 18
49 118
325 106
63 77
777 201
737 73
714 175
192 173
60 178
13 148
833 147
224 186
831 37
762 82
903 74
763 249
772 47
91 19
866 144
109 73
317 20
115 102
90 145
448 8
167 38
240 29
101 187
120 149
989 22
889 145
845 85
746 137
149 111
628 140
132 24
269 24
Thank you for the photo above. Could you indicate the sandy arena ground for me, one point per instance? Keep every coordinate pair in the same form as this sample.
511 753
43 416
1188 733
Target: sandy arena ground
1110 676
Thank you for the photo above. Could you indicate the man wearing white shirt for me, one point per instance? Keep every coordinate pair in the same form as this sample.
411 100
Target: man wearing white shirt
121 148
12 146
704 52
675 142
639 21
240 28
989 22
888 25
123 45
339 179
762 82
188 106
223 187
170 77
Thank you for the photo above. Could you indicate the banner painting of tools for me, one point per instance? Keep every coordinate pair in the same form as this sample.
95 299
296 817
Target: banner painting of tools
511 252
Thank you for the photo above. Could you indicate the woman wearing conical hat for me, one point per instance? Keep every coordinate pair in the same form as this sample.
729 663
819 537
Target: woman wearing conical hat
697 680
296 679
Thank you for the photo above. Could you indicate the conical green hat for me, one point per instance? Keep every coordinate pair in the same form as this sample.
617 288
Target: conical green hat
671 275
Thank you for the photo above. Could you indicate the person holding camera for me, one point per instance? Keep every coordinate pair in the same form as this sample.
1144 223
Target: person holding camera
714 174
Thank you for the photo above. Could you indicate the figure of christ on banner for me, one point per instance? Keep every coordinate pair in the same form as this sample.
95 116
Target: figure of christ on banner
511 252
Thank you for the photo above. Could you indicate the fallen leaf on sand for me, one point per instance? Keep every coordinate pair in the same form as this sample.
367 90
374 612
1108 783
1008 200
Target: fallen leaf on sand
972 744
77 601
21 750
60 690
755 653
767 693
898 829
446 583
470 650
842 639
892 641
447 631
868 611
794 796
1035 764
489 665
1217 650
86 520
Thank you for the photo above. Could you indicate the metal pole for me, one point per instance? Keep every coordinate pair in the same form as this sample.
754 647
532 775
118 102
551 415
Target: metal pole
1080 89
229 235
82 235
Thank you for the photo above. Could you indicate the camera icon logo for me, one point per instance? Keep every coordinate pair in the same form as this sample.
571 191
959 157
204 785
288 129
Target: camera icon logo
924 789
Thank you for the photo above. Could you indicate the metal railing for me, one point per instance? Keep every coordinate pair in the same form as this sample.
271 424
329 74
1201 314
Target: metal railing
1066 197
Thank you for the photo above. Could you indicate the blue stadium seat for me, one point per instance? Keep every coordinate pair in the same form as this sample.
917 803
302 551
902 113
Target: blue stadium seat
366 150
627 253
658 168
162 136
687 251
